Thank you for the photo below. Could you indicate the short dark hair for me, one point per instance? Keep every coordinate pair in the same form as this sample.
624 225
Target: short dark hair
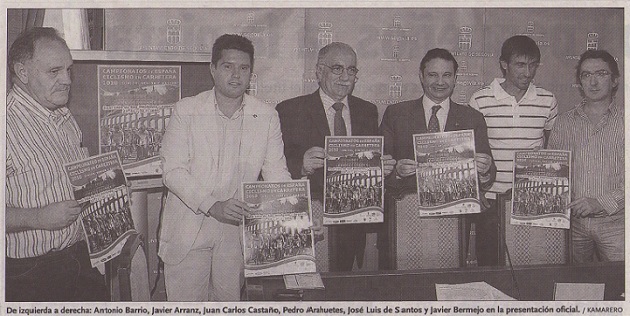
519 45
603 55
437 53
232 41
23 47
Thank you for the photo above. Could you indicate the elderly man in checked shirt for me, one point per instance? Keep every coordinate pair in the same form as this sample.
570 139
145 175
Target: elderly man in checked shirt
593 132
46 256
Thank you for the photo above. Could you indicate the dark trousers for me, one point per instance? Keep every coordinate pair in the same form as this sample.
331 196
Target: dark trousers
348 243
59 276
487 235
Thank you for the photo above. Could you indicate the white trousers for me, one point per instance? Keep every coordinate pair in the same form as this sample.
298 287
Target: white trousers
212 270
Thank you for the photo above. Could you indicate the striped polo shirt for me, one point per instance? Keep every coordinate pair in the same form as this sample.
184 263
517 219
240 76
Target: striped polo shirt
513 125
597 155
39 143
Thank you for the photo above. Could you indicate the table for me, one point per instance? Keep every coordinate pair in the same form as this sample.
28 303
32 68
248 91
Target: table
535 283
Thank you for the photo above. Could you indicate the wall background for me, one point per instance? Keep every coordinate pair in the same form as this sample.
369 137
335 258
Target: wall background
389 43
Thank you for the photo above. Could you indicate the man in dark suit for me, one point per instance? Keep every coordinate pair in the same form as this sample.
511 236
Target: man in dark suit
306 121
434 112
402 120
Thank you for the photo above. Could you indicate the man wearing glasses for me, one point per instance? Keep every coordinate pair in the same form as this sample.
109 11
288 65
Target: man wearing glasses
519 115
331 110
593 132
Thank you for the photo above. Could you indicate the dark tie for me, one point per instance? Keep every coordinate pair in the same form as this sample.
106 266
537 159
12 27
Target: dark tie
340 124
434 125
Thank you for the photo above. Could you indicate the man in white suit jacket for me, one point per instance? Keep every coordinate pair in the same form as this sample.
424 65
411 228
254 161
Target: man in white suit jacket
215 141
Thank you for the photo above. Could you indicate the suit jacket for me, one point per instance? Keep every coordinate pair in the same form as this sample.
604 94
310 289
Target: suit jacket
404 119
304 125
190 151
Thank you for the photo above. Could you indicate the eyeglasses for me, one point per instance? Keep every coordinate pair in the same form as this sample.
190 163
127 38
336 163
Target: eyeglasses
600 74
338 69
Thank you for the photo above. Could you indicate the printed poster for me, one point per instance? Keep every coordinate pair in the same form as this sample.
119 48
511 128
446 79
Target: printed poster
542 188
134 106
353 172
446 173
277 236
100 187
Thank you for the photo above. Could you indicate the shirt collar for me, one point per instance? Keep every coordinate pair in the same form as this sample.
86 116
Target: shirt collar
613 108
428 104
58 115
500 93
236 115
328 102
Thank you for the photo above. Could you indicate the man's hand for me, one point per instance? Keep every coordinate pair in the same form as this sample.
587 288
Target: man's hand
230 211
586 207
406 167
483 162
313 159
58 215
389 164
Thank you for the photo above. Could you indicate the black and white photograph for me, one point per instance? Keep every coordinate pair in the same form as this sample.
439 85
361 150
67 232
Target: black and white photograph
209 104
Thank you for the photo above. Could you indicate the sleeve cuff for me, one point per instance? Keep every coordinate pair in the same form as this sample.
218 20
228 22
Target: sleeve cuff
204 207
484 178
609 204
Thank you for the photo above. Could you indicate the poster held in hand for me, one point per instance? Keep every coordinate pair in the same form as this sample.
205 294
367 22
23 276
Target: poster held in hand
101 189
542 188
277 236
353 172
446 173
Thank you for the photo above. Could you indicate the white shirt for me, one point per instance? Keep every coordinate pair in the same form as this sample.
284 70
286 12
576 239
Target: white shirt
441 114
513 125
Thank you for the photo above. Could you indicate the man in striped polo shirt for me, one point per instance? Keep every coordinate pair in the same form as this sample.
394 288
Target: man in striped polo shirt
594 133
519 116
46 256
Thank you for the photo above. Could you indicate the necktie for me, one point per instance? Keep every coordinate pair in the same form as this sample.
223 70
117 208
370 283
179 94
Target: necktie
434 125
340 124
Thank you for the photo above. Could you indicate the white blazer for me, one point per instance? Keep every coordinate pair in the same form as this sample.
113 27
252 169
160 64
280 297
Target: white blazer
189 152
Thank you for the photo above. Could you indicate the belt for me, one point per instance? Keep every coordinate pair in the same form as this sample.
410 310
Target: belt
74 250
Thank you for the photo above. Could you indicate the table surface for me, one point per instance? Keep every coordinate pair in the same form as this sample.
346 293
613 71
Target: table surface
533 283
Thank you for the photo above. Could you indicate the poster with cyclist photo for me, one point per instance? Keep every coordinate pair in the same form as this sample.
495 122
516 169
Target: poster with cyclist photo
542 188
446 173
277 236
100 187
134 105
353 171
